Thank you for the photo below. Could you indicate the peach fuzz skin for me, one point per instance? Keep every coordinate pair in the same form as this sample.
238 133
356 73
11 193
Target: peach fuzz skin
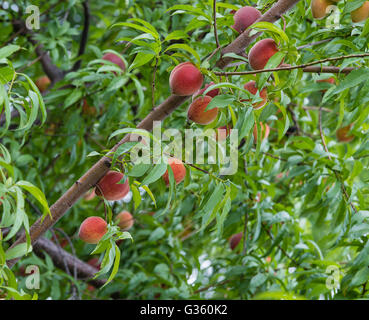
245 17
261 52
109 187
92 230
125 220
178 168
196 111
185 79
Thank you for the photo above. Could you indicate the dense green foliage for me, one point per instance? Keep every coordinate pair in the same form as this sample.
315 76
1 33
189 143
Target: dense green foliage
303 211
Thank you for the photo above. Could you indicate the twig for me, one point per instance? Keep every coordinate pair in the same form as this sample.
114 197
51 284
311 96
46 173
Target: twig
153 82
313 44
338 177
287 67
215 23
84 36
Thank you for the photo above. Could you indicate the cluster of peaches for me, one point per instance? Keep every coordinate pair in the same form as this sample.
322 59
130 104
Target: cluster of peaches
110 188
320 9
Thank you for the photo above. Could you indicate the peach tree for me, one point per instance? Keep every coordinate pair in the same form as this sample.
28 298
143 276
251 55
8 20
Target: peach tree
83 86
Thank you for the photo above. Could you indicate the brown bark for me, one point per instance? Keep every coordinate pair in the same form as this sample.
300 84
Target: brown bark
63 259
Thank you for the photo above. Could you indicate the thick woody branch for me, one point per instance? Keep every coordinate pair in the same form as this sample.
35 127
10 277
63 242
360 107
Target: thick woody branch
94 174
63 259
51 70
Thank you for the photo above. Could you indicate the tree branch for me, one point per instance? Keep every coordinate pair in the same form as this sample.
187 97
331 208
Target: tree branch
62 258
300 66
84 36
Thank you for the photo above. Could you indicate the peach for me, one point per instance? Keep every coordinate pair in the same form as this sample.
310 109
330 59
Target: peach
42 83
360 14
185 79
178 168
342 134
211 93
261 52
251 87
245 17
110 189
95 263
223 132
319 8
235 239
265 130
125 220
89 196
115 59
87 109
196 112
329 80
92 230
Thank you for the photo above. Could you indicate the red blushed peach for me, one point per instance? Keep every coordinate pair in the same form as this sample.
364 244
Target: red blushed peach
196 112
125 220
319 8
223 132
92 230
178 168
110 189
211 93
360 14
342 134
185 79
261 52
87 109
265 130
251 87
89 196
329 80
95 263
42 83
115 59
234 240
245 17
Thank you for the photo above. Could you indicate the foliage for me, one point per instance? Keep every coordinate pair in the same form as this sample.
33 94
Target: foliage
302 209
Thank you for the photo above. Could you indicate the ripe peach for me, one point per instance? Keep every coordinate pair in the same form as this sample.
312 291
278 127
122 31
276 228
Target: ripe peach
329 80
342 134
125 220
87 109
235 239
185 79
42 83
196 112
319 8
89 196
110 189
92 230
178 168
211 93
115 59
251 87
95 263
360 14
261 52
223 132
245 17
265 130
